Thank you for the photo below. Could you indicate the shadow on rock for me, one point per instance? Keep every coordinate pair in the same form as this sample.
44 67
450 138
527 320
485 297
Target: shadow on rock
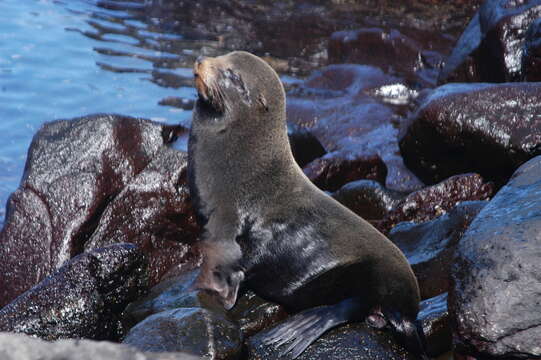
430 246
434 318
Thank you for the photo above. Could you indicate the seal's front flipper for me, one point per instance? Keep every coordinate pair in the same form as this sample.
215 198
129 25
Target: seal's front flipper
307 326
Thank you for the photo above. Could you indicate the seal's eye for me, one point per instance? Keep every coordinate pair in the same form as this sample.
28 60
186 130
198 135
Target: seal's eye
235 81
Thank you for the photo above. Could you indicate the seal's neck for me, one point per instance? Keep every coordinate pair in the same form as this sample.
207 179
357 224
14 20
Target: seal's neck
240 164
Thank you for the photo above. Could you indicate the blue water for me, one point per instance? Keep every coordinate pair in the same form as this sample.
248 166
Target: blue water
67 59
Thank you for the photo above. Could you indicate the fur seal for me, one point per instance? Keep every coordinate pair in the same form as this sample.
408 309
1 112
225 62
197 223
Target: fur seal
267 224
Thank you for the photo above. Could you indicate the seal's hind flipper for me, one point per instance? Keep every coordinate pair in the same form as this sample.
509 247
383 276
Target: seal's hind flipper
307 326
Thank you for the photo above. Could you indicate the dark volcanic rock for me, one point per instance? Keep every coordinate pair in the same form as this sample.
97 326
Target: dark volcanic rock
461 65
433 201
335 105
154 212
531 56
251 312
430 246
495 299
351 341
83 298
195 330
254 314
332 172
504 24
368 199
296 33
491 47
408 53
388 48
74 169
483 128
22 347
304 145
173 293
434 317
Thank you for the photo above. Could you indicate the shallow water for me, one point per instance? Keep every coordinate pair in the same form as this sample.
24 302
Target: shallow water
67 59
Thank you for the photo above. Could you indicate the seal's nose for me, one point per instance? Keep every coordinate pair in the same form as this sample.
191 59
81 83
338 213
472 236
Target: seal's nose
197 65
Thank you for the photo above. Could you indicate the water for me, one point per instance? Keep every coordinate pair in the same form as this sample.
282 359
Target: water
68 59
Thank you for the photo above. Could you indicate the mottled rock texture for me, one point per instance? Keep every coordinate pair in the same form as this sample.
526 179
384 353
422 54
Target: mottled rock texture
495 297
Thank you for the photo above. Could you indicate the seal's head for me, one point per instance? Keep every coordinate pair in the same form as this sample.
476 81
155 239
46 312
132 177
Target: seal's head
236 85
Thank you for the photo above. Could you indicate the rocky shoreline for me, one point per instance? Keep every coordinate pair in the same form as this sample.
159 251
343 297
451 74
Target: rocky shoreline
434 140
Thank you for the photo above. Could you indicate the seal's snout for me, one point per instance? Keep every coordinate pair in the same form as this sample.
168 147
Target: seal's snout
200 69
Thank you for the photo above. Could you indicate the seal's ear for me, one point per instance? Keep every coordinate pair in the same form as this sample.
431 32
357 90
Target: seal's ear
263 102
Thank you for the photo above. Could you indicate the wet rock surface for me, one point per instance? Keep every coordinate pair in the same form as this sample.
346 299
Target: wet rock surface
430 246
494 300
196 330
483 128
531 56
75 170
170 294
413 54
352 341
22 347
335 105
331 172
368 198
304 145
492 46
434 317
83 299
433 201
154 212
255 314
